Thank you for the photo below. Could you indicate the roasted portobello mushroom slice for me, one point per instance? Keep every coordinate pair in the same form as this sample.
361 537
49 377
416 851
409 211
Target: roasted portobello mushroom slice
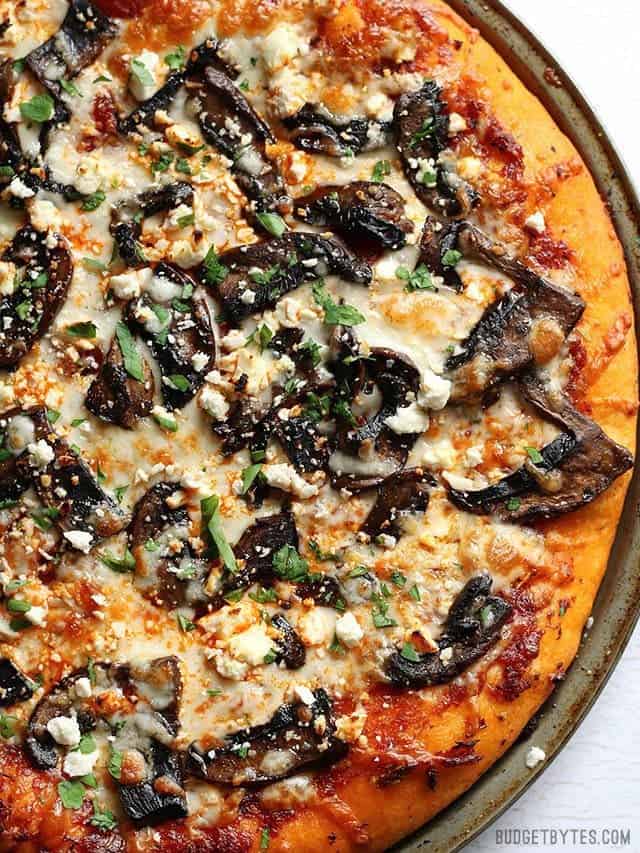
115 395
126 218
400 494
140 726
472 626
363 212
203 56
366 454
254 552
168 574
421 124
44 270
275 267
173 320
570 472
290 649
14 684
296 737
314 128
65 485
229 123
84 34
526 326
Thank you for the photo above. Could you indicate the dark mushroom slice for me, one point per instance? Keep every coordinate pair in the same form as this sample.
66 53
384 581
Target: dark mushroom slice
10 149
44 275
307 449
473 625
421 123
68 488
314 128
13 481
291 341
290 649
322 589
361 211
161 796
242 426
570 472
84 34
176 330
117 397
400 494
126 218
164 572
275 267
14 684
229 123
202 56
255 550
296 737
527 326
367 454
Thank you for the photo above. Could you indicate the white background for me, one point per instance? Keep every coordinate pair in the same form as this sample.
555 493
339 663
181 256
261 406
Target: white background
595 782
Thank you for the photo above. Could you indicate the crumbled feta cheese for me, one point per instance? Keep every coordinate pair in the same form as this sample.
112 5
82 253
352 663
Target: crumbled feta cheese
536 222
20 433
474 456
44 215
233 341
172 220
434 391
303 694
199 361
162 289
213 403
348 630
457 124
456 481
446 655
82 688
282 45
141 90
7 278
251 646
284 476
185 256
379 106
535 756
19 189
79 763
470 168
81 540
41 453
129 284
410 420
228 667
64 730
37 615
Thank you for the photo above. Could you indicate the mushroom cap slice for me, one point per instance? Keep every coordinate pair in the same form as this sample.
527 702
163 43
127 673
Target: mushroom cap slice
473 625
117 397
297 736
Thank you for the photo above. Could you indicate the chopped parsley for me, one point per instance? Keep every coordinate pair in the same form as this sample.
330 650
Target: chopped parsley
272 223
82 330
334 314
534 455
214 271
70 88
71 793
102 818
289 565
320 555
39 109
513 504
265 837
141 73
7 725
380 171
179 381
419 279
398 578
451 257
414 593
263 595
185 624
129 350
124 564
177 58
93 201
408 652
250 475
212 523
115 764
426 130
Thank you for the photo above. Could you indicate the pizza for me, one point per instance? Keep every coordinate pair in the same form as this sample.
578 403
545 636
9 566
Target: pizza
318 398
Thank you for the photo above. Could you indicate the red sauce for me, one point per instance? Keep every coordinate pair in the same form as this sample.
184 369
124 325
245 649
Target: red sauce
523 647
549 253
162 23
104 114
173 837
121 8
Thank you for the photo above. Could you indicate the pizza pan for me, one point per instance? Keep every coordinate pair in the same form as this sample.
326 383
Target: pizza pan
617 606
